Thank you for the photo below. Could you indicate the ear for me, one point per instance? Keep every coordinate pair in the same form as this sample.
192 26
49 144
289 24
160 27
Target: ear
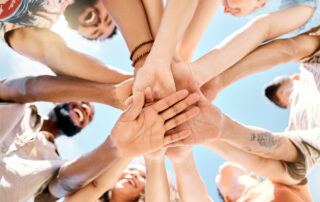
261 3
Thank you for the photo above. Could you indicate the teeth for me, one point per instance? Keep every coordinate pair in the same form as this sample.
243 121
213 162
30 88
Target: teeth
79 112
92 18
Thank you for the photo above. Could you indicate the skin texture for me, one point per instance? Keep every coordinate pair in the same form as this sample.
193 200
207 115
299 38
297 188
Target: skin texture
236 184
63 89
131 136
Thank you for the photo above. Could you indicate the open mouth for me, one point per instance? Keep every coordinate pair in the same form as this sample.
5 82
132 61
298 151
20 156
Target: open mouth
132 182
79 114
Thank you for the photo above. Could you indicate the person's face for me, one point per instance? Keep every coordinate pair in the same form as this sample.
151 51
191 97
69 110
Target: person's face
131 184
284 91
233 180
81 113
242 7
95 22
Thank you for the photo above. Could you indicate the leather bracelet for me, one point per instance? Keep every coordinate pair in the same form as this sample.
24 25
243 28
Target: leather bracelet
139 46
140 57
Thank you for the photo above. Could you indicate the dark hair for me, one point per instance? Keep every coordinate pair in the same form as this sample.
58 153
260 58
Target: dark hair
73 11
270 91
114 32
105 197
64 121
220 195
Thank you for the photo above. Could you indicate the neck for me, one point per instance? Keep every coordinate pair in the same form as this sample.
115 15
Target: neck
51 127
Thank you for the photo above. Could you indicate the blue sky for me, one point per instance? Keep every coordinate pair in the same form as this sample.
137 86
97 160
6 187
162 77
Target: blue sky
243 101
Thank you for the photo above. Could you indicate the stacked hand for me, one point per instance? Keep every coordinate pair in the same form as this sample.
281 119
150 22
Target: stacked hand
141 130
157 76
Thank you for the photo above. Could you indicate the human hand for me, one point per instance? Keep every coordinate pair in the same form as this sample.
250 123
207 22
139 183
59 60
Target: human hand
157 76
140 130
205 126
122 92
182 73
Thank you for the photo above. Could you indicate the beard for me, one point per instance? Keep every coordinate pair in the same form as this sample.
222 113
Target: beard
64 121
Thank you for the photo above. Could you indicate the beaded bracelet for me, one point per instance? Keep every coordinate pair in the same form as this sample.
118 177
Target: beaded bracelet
139 46
140 57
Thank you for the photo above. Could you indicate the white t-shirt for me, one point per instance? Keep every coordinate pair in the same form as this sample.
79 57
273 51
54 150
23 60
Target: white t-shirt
27 159
305 115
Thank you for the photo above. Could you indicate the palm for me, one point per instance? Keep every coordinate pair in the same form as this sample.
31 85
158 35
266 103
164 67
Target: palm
157 78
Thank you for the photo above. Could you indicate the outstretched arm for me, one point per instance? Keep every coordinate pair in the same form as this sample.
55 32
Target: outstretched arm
199 22
157 186
63 89
263 58
137 132
156 72
190 185
237 45
269 168
50 49
132 21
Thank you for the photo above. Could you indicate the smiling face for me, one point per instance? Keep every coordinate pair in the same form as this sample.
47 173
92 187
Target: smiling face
96 23
131 184
81 113
242 7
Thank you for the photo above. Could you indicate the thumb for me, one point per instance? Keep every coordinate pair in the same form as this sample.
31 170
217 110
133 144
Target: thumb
134 109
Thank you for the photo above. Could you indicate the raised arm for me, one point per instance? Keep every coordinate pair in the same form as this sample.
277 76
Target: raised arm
137 132
50 49
199 22
237 45
156 72
132 21
157 186
190 185
261 59
64 89
272 169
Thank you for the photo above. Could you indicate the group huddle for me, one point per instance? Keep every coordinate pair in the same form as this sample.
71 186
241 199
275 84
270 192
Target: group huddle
166 102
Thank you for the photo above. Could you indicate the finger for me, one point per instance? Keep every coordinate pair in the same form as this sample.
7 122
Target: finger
185 116
156 95
135 108
129 101
166 102
179 107
148 95
169 139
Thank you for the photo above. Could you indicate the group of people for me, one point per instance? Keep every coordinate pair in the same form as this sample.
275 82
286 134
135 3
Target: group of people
167 102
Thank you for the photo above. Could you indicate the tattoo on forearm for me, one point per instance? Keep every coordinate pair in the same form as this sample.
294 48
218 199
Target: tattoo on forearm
265 139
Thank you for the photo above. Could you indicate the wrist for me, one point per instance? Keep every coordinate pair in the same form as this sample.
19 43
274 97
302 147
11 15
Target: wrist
111 147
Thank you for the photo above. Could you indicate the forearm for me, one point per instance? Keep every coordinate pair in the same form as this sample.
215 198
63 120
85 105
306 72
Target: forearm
177 16
199 22
75 174
93 191
237 45
57 89
50 49
258 141
269 168
132 21
157 186
269 55
154 10
190 185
